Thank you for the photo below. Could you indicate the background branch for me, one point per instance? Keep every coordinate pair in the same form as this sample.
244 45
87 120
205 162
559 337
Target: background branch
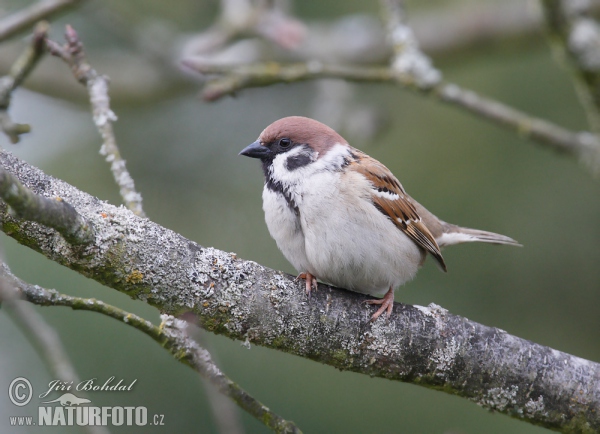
583 145
245 301
72 53
24 19
19 71
350 39
575 37
171 335
42 336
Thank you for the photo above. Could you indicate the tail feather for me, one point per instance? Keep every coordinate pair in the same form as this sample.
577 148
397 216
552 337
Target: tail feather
455 235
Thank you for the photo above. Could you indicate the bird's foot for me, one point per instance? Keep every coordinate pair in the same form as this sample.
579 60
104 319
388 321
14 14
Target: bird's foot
387 303
311 282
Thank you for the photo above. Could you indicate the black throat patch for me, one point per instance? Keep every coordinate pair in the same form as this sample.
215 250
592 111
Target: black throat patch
277 187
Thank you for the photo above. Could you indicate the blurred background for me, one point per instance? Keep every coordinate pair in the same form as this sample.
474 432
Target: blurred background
182 154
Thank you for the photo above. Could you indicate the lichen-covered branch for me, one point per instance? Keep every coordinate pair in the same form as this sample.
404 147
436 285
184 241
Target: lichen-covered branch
246 301
25 18
54 213
231 79
171 335
18 72
575 35
97 85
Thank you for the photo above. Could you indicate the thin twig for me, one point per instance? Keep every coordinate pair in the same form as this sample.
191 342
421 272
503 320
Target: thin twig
171 335
19 71
575 36
408 61
25 18
54 213
42 336
72 53
225 412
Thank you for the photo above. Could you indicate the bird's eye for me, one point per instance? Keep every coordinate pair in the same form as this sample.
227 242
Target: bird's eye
285 143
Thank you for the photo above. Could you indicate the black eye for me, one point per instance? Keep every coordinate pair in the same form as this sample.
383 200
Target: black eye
285 143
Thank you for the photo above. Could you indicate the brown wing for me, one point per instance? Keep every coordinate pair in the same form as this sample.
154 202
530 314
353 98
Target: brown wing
389 197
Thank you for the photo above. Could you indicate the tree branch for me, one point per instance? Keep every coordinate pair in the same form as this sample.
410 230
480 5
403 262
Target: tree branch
24 19
19 71
409 63
575 35
54 213
97 85
583 145
171 335
246 301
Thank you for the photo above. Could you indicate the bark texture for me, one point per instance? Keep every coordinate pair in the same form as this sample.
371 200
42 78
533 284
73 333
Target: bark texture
246 301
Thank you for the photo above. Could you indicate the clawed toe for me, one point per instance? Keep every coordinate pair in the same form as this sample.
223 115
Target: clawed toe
387 304
311 282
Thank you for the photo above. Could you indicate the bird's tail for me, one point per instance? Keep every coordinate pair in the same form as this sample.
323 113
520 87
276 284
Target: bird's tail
455 235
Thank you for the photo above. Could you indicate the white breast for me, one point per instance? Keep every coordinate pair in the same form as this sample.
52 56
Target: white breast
339 236
350 243
284 226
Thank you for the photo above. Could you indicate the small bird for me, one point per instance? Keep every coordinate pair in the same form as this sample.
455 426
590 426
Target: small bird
341 216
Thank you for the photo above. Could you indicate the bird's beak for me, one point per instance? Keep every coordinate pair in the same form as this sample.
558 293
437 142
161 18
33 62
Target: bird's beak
255 150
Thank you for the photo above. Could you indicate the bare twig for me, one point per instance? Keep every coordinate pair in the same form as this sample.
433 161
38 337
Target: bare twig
576 38
72 53
42 335
23 20
171 335
584 145
19 71
408 61
54 213
225 411
245 301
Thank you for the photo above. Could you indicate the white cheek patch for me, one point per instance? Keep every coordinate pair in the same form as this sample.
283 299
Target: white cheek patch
336 156
280 172
331 161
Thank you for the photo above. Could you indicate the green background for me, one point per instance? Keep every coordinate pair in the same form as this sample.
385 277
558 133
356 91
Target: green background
182 153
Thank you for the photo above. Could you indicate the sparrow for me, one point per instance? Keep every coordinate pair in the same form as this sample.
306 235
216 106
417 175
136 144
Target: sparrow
341 216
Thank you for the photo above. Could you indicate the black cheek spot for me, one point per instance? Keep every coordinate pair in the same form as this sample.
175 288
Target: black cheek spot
297 161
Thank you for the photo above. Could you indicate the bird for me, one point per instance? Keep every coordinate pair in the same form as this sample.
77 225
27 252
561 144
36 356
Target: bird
341 216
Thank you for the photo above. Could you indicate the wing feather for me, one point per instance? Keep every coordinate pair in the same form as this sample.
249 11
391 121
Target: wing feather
389 198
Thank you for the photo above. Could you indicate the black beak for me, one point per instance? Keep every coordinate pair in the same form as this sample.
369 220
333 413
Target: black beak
255 150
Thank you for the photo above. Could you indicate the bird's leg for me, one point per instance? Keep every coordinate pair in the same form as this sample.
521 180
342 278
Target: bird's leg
387 302
311 281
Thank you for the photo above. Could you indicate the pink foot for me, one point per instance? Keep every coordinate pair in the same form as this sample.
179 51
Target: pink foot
387 303
311 282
